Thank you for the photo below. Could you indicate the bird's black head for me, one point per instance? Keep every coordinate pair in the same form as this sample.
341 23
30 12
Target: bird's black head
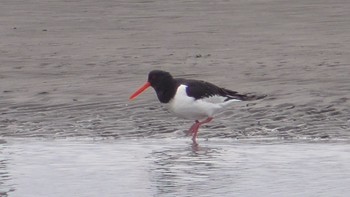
159 78
163 83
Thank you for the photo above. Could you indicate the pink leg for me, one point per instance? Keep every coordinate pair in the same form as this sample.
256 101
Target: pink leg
196 127
191 130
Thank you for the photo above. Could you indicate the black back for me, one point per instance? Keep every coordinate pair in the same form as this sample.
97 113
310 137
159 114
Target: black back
202 89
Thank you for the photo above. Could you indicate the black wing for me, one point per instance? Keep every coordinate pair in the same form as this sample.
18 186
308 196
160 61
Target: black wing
202 89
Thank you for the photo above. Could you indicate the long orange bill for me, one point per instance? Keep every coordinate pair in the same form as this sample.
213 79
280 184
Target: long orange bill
139 91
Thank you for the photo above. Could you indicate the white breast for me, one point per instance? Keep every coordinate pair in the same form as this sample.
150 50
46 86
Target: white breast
187 107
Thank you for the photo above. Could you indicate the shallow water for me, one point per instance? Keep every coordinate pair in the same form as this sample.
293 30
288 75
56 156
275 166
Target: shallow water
174 167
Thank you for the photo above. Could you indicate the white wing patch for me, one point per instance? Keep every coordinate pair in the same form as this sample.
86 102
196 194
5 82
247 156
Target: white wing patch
218 99
187 107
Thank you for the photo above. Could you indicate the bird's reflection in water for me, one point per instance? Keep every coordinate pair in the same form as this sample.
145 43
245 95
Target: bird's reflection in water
184 170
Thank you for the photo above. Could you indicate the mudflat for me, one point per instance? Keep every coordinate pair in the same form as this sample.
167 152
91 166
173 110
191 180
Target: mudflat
68 67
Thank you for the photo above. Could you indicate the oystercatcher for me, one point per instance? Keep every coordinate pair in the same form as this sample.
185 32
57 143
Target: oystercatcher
191 99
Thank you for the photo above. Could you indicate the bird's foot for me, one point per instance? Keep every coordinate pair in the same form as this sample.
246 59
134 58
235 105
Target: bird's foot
194 143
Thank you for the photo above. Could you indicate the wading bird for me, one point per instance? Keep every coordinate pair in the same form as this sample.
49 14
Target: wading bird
191 99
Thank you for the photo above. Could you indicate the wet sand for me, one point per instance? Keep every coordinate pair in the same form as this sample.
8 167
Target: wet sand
67 68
